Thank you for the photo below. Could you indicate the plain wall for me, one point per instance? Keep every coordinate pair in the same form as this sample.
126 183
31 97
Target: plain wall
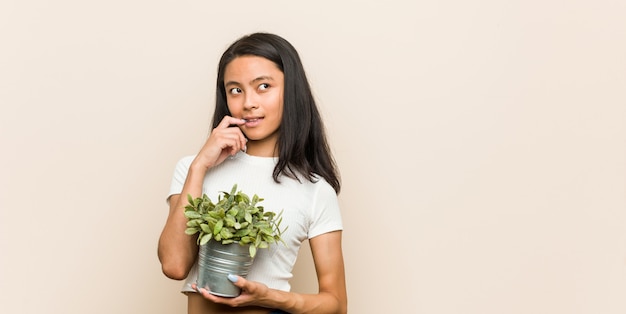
482 146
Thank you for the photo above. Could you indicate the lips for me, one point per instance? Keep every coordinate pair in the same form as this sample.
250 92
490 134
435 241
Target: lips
252 121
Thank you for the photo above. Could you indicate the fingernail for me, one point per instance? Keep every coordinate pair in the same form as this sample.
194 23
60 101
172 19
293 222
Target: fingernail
232 278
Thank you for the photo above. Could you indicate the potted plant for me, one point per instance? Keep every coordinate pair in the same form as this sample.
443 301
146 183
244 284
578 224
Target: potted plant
229 234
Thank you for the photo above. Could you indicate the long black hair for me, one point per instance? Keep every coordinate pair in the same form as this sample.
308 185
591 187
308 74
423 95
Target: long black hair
302 145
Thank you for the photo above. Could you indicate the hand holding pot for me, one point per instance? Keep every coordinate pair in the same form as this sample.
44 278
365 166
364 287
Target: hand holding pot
252 293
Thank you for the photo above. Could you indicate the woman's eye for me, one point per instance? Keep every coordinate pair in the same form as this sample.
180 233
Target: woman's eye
235 91
264 86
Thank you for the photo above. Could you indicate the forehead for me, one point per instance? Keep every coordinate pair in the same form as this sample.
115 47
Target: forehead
246 68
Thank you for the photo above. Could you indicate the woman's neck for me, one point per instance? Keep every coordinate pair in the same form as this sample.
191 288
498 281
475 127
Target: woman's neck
261 149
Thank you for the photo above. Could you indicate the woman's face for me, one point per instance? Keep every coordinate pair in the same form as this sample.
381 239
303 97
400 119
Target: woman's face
254 92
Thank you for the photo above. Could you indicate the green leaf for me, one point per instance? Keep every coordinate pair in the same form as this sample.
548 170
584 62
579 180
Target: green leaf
192 214
205 228
196 202
252 250
218 227
233 211
245 198
191 231
205 239
242 233
230 220
226 234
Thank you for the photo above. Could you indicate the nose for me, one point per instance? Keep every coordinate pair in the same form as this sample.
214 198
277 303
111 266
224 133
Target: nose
250 102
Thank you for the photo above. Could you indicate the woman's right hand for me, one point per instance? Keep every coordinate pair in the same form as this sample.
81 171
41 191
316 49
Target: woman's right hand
177 251
225 140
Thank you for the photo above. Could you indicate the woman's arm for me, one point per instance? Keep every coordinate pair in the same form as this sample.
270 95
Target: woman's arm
177 251
331 298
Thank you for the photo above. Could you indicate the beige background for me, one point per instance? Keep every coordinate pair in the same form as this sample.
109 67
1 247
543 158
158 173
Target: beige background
482 146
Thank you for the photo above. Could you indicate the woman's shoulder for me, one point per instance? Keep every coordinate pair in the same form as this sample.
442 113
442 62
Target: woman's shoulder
317 185
185 161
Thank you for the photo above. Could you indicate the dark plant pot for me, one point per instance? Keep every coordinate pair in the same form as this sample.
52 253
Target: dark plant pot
216 261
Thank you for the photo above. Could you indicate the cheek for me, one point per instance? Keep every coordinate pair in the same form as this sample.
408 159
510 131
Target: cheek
278 104
232 106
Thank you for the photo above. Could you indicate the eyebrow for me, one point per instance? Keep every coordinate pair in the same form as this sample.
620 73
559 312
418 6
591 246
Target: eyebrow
260 78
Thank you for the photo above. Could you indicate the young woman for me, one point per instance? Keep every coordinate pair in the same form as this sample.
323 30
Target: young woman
269 139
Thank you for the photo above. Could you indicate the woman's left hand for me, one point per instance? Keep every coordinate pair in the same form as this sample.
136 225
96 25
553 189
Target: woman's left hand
252 293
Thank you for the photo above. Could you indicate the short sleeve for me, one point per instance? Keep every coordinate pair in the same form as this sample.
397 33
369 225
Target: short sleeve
180 175
326 216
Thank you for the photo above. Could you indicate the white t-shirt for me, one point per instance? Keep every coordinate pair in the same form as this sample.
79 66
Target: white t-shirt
309 209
